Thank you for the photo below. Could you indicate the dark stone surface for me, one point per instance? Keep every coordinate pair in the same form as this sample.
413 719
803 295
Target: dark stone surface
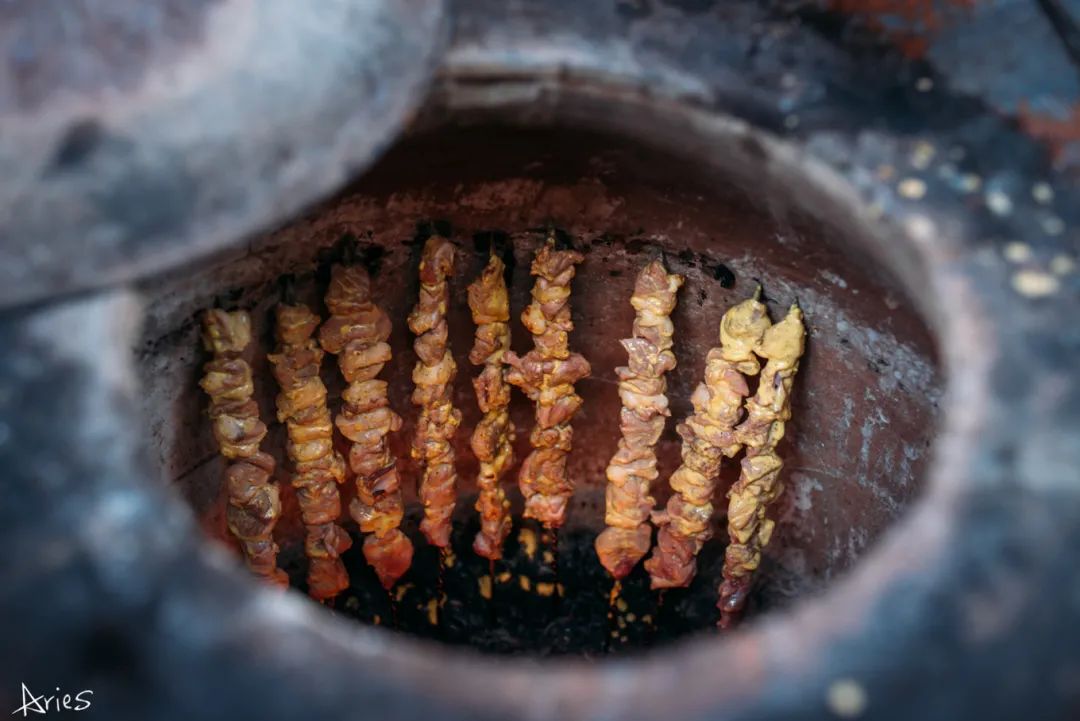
53 47
971 608
138 134
1016 56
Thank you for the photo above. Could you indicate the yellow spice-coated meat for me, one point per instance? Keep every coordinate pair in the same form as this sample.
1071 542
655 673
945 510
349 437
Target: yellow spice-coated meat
547 375
433 378
642 388
318 468
492 437
749 529
707 436
254 506
356 332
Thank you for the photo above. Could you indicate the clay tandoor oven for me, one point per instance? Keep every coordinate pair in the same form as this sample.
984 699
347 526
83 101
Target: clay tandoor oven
927 535
866 404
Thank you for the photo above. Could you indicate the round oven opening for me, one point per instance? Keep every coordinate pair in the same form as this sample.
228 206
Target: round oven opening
865 400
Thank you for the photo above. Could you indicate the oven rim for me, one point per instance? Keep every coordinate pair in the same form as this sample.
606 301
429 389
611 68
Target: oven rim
784 662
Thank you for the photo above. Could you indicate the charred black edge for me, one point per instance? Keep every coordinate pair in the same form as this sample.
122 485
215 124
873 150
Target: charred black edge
500 243
563 240
427 228
350 250
287 287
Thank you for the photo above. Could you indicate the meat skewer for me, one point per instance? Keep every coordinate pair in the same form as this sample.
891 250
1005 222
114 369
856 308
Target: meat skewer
254 506
433 377
547 375
318 468
644 411
759 484
356 332
708 436
491 441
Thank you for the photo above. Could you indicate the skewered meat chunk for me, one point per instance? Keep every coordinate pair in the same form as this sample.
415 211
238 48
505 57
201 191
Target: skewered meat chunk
547 375
356 332
491 440
254 506
433 377
318 467
644 409
759 484
708 435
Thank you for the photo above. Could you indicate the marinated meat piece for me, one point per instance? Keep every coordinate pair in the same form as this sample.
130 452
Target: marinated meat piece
547 375
749 530
642 388
492 439
390 556
433 377
254 506
357 332
708 436
318 468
